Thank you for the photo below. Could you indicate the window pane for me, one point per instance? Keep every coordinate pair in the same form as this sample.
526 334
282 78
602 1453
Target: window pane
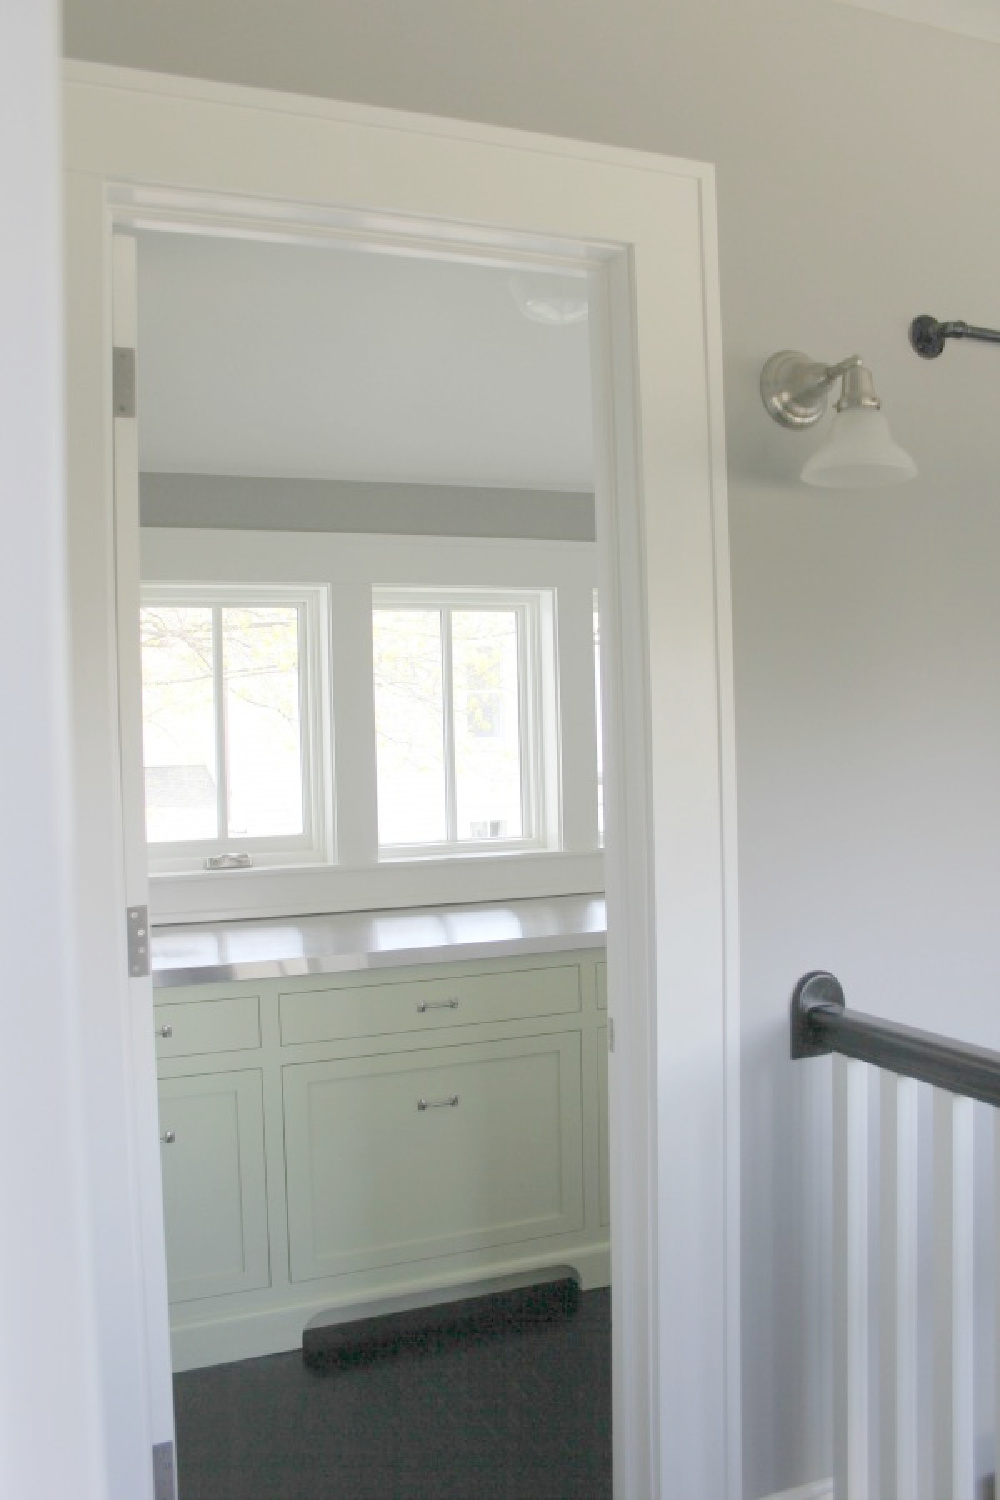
409 726
487 723
178 724
260 658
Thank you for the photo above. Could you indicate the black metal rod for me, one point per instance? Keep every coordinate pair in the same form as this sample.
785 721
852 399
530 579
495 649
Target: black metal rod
821 1023
927 335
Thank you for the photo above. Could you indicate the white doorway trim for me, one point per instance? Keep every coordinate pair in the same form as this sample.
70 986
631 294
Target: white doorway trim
141 148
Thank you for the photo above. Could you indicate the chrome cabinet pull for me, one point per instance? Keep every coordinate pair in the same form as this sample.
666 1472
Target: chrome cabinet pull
165 1031
425 1005
449 1103
168 1137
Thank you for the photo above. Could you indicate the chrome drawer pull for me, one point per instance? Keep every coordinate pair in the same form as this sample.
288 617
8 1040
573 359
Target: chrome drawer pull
165 1031
448 1103
437 1005
168 1137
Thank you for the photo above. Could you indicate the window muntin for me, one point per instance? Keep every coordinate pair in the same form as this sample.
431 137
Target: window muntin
231 724
456 717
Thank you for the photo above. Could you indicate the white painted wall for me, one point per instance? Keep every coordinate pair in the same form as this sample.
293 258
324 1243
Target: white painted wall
51 1441
856 160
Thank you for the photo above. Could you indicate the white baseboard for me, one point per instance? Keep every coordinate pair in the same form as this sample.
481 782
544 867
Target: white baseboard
821 1489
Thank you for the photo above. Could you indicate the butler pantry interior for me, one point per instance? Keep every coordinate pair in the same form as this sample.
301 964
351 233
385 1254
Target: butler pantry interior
370 684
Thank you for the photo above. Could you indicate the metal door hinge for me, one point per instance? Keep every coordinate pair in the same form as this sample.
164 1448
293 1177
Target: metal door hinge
137 927
164 1479
123 381
611 1033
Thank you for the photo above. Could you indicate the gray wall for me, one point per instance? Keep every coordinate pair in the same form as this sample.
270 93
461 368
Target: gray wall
857 160
238 503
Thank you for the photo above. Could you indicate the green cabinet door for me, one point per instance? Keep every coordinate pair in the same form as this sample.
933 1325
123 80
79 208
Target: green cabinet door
214 1199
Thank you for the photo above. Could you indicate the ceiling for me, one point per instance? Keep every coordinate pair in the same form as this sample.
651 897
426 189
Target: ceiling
977 18
264 359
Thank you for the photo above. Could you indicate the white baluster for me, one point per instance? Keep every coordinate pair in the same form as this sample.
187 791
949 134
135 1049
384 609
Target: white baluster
852 1305
900 1434
954 1320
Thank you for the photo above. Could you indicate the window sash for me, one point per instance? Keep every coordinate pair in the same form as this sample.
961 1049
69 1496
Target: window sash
525 607
188 855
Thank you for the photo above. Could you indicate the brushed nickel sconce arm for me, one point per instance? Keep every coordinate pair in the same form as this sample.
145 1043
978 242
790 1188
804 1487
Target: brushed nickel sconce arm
927 335
795 388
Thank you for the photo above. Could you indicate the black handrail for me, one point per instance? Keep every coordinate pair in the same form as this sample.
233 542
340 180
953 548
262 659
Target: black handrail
821 1023
927 334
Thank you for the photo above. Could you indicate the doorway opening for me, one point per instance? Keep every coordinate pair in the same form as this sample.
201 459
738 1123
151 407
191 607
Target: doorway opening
644 226
368 662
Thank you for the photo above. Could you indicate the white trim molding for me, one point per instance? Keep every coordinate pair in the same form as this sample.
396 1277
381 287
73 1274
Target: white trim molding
151 153
53 1240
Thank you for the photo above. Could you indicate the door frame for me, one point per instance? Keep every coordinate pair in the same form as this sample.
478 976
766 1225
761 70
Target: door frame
148 149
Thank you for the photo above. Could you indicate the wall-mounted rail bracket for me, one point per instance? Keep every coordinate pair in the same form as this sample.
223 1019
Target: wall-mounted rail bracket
820 1023
928 335
817 988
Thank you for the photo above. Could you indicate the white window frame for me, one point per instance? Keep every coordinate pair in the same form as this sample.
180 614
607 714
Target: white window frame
314 845
599 720
538 719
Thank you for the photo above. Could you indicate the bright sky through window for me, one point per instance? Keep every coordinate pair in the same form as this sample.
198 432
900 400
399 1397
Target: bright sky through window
222 730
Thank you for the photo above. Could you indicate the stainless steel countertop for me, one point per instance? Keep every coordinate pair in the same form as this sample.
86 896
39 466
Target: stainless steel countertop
280 948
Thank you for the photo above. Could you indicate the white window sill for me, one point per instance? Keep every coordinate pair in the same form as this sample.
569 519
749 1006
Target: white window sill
215 895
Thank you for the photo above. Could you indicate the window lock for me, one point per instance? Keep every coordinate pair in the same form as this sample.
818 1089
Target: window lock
229 862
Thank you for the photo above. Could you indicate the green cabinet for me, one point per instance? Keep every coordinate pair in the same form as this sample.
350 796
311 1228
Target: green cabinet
408 1156
338 1139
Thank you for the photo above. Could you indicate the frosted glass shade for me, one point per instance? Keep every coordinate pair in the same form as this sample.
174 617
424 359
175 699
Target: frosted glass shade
859 454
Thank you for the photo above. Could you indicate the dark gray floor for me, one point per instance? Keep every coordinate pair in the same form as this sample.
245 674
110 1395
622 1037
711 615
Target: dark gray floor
525 1416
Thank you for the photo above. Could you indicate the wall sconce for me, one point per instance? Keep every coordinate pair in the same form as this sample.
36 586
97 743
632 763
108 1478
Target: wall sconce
859 453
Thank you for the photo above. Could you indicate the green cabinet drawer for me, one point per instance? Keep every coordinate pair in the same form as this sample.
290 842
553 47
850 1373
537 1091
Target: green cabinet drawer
192 1026
415 1005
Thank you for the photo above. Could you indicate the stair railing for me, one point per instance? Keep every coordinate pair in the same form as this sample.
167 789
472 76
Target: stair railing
903 1430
